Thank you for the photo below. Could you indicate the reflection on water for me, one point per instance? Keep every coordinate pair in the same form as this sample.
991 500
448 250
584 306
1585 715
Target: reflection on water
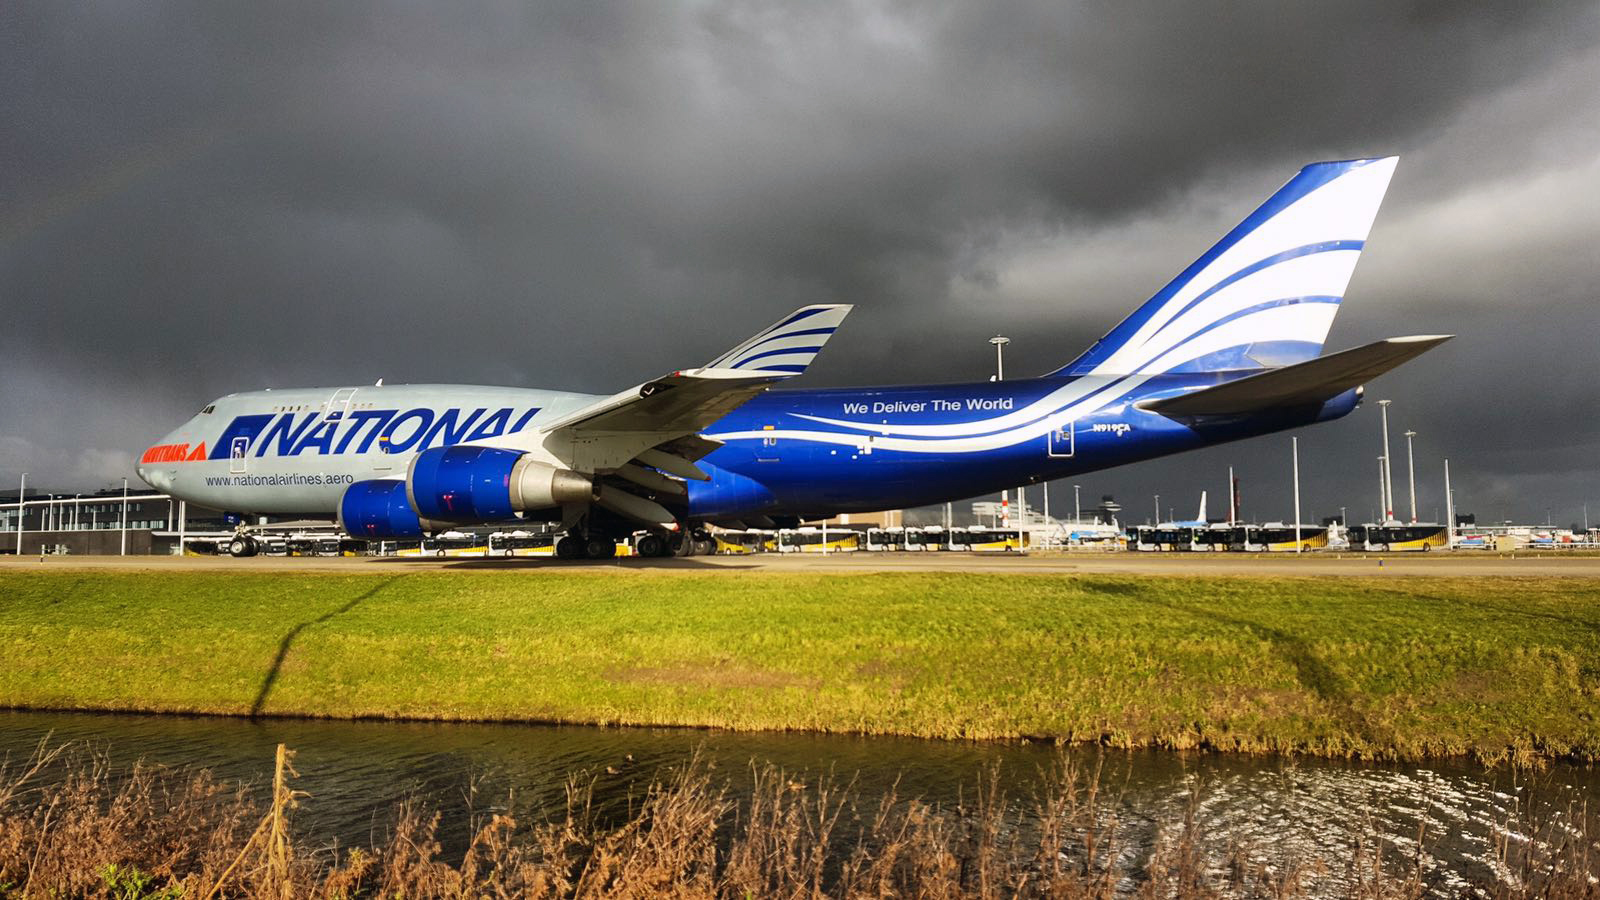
1446 819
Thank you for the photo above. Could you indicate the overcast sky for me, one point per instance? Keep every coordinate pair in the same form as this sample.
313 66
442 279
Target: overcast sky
208 197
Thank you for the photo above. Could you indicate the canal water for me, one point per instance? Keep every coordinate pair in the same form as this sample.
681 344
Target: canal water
1276 811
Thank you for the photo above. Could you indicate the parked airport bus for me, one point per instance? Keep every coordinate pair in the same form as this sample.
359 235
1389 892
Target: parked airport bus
984 539
522 543
1165 538
809 539
1213 538
954 539
735 542
1276 537
886 539
934 537
1422 536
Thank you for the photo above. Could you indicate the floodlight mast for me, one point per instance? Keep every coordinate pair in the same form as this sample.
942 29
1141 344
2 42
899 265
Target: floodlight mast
1388 480
1000 341
22 511
1411 475
1295 443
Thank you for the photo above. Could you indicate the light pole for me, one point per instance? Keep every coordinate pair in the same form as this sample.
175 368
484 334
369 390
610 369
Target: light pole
1233 514
1382 497
124 551
1449 509
1388 480
1411 475
1000 341
1158 511
1295 443
22 511
1077 507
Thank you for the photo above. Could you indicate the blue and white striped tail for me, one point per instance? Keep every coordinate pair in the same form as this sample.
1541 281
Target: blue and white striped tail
788 346
1266 294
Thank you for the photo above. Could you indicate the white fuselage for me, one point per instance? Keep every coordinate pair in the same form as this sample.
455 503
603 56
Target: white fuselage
295 451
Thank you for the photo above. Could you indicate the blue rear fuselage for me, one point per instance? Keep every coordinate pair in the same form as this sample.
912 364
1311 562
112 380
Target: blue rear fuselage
820 452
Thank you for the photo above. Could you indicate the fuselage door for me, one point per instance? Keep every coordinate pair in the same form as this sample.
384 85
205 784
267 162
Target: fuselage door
236 455
768 450
1062 441
338 404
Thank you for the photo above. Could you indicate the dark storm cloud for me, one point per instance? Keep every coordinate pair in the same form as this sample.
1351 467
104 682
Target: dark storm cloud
209 197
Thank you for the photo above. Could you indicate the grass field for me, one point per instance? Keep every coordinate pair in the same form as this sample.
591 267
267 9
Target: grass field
1348 666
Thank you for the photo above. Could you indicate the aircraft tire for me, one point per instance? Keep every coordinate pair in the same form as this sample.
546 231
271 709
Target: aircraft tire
681 544
569 547
705 546
238 548
652 546
600 547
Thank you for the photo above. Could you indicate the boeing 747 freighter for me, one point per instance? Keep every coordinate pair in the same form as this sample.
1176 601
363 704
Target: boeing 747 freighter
1230 349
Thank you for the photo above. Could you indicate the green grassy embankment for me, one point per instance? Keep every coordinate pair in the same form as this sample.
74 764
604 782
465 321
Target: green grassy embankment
1340 666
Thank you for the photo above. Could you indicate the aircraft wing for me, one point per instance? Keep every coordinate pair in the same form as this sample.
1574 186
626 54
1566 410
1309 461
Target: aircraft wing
682 402
1314 381
668 412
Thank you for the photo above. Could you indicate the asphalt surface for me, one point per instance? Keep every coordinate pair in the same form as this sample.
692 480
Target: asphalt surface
1458 564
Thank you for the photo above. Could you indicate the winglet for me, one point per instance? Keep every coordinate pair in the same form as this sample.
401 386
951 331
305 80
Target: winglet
785 348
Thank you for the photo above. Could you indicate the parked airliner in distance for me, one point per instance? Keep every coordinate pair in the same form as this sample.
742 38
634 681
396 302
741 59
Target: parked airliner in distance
1229 349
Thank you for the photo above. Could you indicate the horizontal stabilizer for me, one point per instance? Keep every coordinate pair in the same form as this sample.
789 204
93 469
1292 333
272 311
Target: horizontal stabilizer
1314 381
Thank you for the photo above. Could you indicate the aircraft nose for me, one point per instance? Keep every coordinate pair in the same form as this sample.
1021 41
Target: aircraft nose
156 478
155 465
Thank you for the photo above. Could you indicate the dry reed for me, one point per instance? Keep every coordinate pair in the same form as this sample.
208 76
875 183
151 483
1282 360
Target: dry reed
71 825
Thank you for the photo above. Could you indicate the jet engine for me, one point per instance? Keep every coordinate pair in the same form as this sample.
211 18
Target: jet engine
469 483
378 510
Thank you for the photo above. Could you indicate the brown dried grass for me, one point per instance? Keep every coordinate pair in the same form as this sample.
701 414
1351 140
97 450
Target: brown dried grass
88 830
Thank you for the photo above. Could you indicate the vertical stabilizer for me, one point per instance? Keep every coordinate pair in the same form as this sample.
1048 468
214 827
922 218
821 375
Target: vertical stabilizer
1266 294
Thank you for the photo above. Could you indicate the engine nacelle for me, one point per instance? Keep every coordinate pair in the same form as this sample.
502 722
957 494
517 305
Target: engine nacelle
377 510
468 483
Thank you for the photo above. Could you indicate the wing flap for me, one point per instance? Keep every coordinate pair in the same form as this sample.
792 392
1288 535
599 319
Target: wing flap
1313 381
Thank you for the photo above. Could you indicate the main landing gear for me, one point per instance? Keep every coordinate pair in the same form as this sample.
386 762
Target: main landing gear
658 544
594 546
583 541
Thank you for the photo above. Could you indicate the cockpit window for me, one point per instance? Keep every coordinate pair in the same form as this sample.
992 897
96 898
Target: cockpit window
208 410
